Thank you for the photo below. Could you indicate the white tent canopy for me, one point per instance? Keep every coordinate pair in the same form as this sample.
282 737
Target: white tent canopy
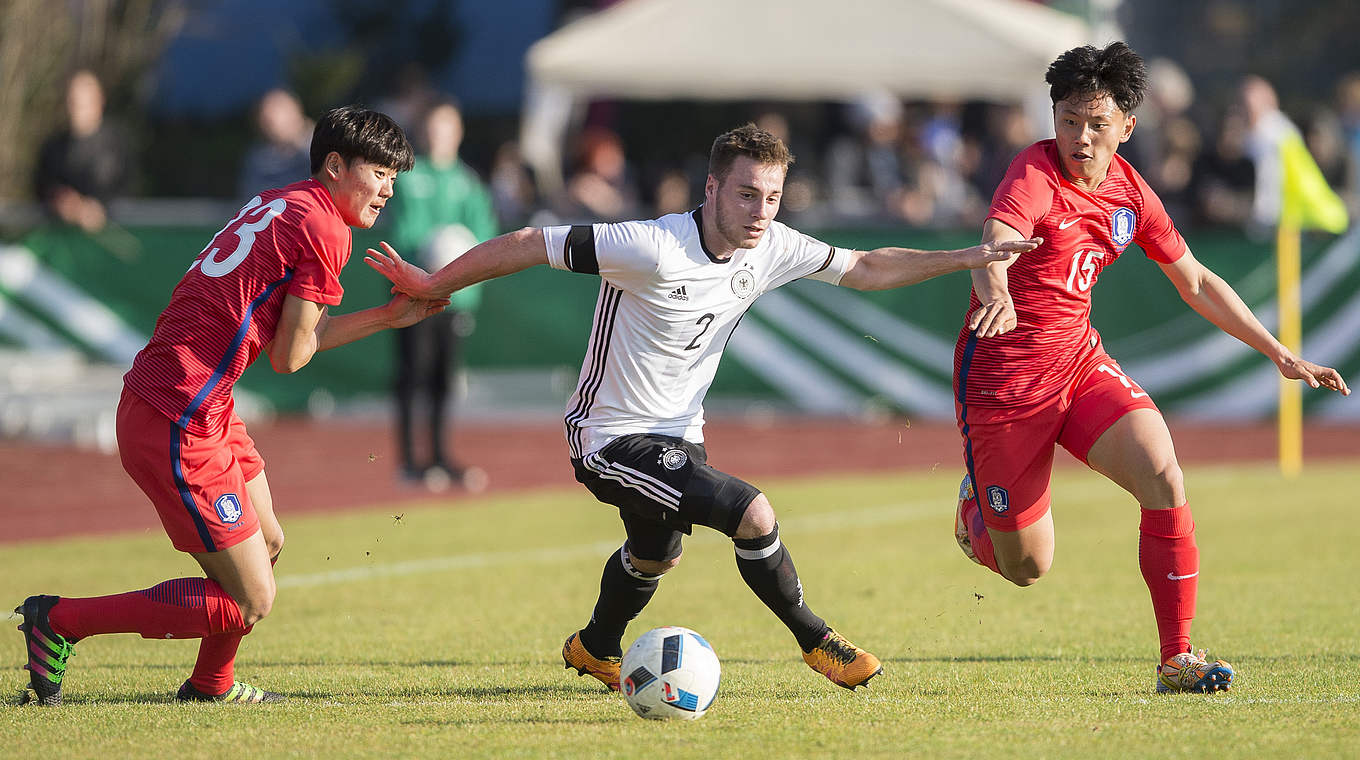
806 49
790 50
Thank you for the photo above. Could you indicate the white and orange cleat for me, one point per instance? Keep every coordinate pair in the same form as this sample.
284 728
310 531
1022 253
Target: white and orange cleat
1192 672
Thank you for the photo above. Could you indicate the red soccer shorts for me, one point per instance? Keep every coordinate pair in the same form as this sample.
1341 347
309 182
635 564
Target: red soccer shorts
1009 450
197 483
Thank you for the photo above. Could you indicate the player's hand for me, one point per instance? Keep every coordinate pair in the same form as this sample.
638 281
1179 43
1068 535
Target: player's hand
1000 250
406 277
1316 375
404 311
993 318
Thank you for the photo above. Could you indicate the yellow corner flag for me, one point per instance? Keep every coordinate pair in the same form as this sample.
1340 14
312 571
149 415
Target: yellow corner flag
1306 203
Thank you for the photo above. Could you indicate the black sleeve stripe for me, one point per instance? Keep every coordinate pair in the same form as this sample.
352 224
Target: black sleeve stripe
830 254
580 254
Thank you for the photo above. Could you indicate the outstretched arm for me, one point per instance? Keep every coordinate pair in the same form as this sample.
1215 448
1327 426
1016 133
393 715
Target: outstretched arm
884 268
1216 301
497 257
996 315
306 327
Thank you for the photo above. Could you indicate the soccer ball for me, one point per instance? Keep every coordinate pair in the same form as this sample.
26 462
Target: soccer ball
670 673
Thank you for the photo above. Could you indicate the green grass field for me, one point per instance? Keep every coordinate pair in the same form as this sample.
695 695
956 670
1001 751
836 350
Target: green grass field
438 635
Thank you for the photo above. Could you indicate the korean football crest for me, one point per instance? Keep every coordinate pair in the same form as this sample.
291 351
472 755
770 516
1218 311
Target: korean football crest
998 499
1121 226
228 508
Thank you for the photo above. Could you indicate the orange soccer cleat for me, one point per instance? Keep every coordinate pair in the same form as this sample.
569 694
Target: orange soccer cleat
605 670
844 663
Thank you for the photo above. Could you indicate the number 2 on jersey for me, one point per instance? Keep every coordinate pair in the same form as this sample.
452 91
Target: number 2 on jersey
212 266
704 323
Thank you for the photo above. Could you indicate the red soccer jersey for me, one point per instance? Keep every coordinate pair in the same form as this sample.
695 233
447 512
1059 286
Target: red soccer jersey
1083 232
226 308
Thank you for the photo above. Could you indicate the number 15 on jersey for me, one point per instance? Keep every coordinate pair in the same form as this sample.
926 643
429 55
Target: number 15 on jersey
1083 273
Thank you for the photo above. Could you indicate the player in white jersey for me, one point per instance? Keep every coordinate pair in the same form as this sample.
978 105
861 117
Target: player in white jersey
672 291
667 307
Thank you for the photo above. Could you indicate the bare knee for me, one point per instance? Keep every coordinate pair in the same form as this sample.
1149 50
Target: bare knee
1173 480
256 605
758 520
1026 570
1163 487
255 610
655 566
274 545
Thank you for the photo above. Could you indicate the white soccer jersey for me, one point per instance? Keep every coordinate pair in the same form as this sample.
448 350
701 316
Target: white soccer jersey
666 310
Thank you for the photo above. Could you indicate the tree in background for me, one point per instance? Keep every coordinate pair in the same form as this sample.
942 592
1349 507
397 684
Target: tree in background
42 42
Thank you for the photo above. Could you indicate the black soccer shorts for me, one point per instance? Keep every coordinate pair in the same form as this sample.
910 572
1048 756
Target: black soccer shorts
663 487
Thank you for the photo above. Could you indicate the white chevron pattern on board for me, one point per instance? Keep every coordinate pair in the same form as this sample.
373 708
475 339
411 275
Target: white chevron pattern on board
22 274
864 341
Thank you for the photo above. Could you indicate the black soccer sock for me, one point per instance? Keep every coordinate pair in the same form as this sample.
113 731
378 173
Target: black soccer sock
624 591
768 569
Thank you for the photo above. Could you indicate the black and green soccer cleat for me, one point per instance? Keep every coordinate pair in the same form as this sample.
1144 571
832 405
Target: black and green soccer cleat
47 651
239 692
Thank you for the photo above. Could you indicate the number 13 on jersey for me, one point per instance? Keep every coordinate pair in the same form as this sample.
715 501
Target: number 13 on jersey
259 218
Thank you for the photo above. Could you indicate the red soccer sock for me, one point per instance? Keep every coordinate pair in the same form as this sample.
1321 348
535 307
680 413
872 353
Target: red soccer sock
978 537
215 669
1169 559
183 608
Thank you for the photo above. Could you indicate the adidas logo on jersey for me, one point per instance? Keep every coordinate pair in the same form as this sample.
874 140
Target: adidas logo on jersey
679 294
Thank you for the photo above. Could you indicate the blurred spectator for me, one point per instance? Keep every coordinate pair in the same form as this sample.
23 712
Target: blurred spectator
1266 127
1166 142
1323 134
1348 106
941 135
84 166
775 123
948 160
896 167
673 193
513 191
283 156
440 210
1170 94
1223 180
413 98
1181 146
1008 132
600 188
800 190
864 173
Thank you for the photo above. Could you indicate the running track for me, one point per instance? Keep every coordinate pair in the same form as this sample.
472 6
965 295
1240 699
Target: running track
50 492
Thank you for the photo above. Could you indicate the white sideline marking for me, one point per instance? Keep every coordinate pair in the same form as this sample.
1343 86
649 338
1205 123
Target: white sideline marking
854 519
452 562
1226 700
